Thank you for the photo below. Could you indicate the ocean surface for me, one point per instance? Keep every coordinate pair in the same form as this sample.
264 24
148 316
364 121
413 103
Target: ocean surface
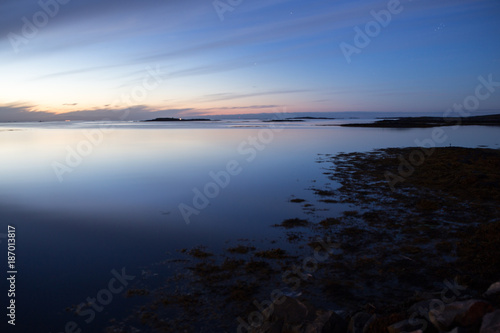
91 200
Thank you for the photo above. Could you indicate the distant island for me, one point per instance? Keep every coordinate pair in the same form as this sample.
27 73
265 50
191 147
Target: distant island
421 122
178 119
283 120
310 118
295 119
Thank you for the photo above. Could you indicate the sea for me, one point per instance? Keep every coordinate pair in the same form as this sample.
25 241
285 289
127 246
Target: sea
95 205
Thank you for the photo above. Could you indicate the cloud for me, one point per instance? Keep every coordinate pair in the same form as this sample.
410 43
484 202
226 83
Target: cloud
73 10
331 20
245 107
110 41
75 71
140 112
22 112
78 24
27 113
231 96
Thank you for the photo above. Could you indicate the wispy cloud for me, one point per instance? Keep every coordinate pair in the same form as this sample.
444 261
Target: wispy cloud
95 49
23 112
77 71
253 107
232 96
28 113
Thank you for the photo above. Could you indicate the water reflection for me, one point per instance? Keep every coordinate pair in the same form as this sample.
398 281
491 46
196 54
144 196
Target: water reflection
119 205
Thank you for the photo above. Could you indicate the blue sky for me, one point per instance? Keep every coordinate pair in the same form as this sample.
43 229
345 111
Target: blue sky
98 59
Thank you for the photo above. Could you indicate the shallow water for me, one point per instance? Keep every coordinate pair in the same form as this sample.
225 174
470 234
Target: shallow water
87 198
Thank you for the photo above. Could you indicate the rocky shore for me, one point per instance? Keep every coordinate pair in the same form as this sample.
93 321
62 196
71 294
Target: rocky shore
419 254
445 311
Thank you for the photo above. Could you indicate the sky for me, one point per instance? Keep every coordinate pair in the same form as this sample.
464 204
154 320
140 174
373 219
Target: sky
126 59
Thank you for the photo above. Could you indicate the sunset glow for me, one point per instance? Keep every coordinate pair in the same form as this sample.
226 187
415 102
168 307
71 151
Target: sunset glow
194 57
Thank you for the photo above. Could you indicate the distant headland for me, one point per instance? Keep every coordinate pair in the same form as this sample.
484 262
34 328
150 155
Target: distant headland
420 122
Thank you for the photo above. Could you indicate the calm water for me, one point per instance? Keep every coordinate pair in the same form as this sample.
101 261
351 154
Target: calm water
85 202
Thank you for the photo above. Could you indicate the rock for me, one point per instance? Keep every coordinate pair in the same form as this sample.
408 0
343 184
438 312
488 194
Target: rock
290 315
275 327
474 315
319 323
493 294
335 324
312 312
327 322
444 319
491 322
266 327
359 321
292 311
403 326
464 330
464 313
372 319
294 316
421 309
494 289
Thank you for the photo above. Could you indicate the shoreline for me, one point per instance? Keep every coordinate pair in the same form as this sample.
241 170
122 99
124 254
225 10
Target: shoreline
393 249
